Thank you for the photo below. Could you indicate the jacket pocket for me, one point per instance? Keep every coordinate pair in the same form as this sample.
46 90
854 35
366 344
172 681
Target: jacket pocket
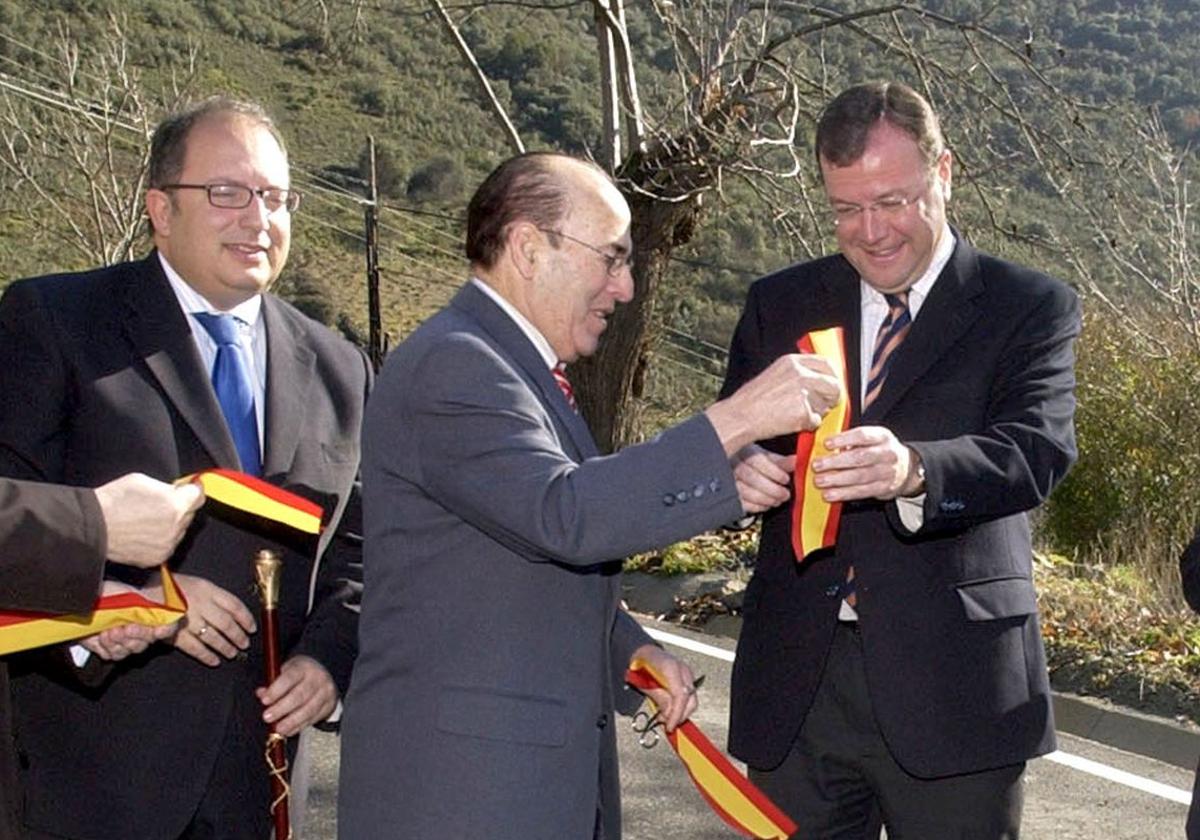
1006 597
500 716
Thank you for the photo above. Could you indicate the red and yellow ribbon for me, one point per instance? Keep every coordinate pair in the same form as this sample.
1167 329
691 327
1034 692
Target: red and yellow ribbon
255 496
25 629
814 520
733 797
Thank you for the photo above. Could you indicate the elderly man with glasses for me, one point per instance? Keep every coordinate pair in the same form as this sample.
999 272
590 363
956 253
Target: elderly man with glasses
493 643
900 673
181 362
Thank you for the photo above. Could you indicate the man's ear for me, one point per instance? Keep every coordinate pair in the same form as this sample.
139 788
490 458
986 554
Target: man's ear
158 208
945 168
523 244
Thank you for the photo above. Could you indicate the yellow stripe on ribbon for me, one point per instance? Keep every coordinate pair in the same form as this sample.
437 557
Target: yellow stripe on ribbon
733 797
24 630
814 520
257 497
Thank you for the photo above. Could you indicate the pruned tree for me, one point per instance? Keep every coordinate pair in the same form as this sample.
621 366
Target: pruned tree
77 147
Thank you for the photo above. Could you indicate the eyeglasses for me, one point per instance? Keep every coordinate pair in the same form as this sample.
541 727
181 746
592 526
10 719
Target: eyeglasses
614 263
892 207
236 196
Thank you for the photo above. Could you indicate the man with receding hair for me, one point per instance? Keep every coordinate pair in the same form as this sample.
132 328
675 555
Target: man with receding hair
901 673
493 644
180 362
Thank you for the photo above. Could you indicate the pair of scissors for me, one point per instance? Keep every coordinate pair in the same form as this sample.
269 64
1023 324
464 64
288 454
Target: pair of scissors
648 725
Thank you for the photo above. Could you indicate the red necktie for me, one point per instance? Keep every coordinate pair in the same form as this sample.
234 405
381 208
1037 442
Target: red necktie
564 384
891 334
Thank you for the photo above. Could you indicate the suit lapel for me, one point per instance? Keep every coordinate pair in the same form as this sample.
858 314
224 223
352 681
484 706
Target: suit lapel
515 344
947 313
159 330
290 374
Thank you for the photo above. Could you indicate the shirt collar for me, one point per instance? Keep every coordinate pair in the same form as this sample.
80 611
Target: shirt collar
531 332
192 301
919 290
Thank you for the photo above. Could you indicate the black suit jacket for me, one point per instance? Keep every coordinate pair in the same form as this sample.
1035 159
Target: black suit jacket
101 377
982 389
52 543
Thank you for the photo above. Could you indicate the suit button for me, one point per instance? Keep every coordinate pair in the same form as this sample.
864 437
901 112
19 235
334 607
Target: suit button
668 500
831 591
602 721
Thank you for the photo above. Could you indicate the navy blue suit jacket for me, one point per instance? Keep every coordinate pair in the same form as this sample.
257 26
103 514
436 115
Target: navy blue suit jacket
982 389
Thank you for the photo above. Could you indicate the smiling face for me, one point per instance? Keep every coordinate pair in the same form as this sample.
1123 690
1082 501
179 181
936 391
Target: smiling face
572 293
226 255
890 250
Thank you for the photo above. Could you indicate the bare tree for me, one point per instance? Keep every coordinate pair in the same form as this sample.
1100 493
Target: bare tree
77 147
752 78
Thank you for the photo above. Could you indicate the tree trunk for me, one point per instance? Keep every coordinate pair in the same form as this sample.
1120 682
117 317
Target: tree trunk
611 383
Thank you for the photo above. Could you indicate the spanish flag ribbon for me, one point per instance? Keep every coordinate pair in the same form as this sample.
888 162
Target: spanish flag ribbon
733 797
257 497
814 520
26 629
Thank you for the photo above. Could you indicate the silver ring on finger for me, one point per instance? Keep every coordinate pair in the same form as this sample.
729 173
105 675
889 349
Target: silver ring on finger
203 629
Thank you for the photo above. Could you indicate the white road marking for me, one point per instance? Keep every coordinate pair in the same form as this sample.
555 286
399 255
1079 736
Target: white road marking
1075 762
1120 777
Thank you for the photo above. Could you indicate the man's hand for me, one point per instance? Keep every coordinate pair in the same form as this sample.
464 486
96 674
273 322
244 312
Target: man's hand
678 701
303 694
144 518
217 622
116 643
789 396
868 463
764 479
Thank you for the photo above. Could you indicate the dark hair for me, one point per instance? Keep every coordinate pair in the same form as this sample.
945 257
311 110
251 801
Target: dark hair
528 187
846 121
168 146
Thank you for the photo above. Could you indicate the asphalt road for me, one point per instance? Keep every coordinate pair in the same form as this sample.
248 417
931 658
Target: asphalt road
1062 802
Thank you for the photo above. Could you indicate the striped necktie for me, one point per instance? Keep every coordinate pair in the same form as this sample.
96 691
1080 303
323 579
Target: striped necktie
891 334
564 385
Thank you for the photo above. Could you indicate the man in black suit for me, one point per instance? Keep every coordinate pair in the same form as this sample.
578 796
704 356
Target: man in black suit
1189 568
900 674
116 370
54 542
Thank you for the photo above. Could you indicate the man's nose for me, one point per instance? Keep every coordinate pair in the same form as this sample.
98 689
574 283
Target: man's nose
256 213
872 227
622 284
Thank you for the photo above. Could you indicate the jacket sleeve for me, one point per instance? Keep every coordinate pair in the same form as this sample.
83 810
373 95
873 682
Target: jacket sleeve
491 454
52 544
1027 442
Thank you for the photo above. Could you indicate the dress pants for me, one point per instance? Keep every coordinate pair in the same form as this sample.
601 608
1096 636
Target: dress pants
839 781
1193 817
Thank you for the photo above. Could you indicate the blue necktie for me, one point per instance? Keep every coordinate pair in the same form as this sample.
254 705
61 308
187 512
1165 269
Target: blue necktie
232 383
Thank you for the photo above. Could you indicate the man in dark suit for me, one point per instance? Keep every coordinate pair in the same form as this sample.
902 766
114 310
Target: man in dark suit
1189 568
178 363
54 542
493 645
901 673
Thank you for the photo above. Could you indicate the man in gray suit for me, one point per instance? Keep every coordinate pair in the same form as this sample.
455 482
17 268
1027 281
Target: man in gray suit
492 645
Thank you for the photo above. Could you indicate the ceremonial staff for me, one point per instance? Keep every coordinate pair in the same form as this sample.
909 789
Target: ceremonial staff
267 568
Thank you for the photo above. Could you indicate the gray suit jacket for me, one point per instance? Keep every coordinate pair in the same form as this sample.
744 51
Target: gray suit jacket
492 645
101 377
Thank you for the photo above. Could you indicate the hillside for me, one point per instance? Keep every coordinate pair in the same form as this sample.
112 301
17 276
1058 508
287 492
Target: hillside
387 70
